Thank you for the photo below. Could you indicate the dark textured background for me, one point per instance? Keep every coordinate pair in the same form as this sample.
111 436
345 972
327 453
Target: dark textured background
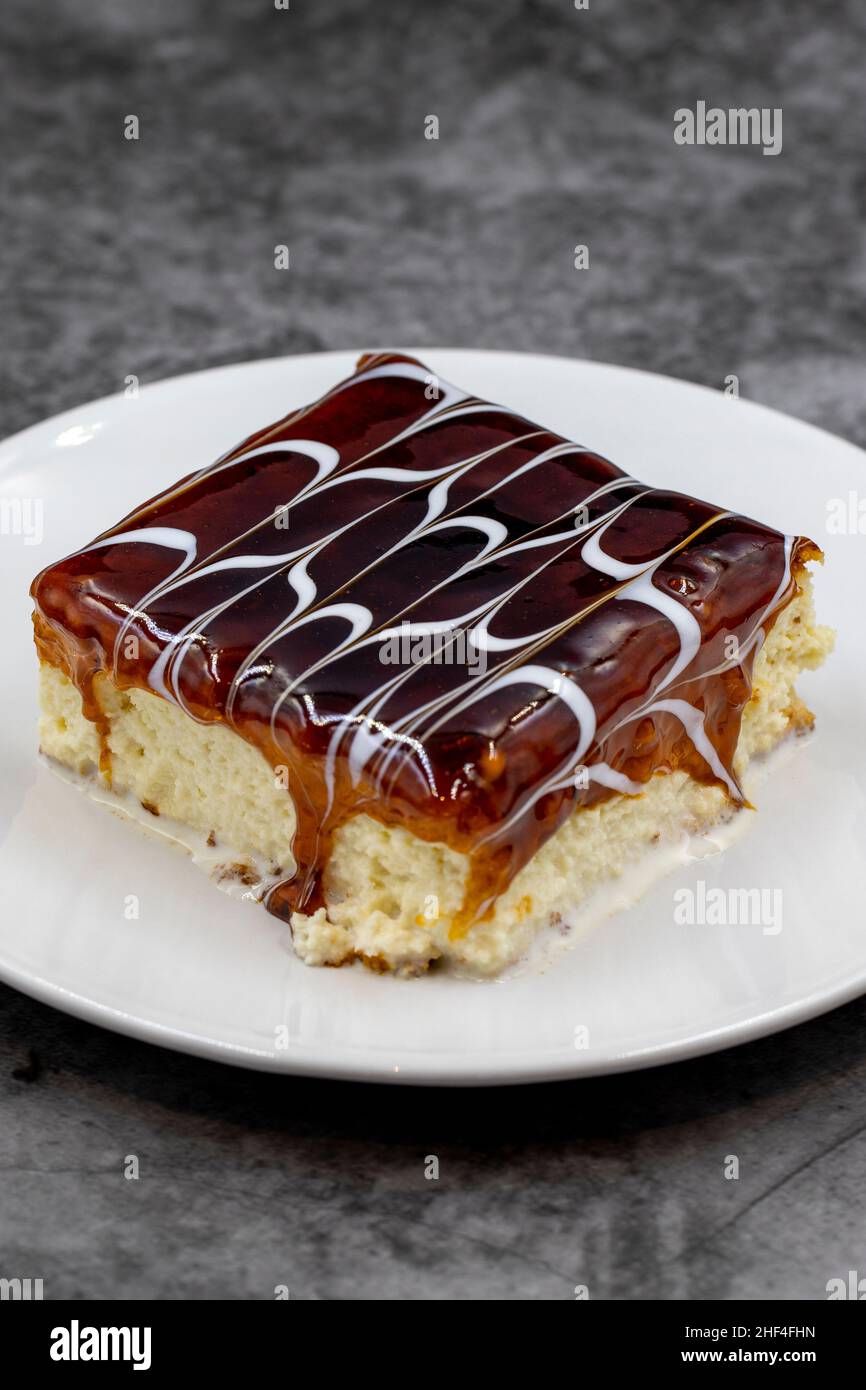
261 127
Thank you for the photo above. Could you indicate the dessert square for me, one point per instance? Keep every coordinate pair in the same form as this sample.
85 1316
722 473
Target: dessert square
419 674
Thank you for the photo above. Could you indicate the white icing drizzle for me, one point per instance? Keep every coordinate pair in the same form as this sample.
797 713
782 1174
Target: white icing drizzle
607 776
693 722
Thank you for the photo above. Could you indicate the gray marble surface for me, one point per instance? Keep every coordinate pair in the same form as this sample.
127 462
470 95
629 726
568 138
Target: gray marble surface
154 257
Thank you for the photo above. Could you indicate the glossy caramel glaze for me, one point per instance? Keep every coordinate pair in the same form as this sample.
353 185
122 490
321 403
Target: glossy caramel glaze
618 624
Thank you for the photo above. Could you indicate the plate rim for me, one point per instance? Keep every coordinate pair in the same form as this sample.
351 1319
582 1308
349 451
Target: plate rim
417 1069
272 361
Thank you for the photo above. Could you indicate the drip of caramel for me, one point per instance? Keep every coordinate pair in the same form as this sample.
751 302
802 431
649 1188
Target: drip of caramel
264 591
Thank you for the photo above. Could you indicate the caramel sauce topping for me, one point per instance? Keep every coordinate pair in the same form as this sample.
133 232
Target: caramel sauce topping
308 588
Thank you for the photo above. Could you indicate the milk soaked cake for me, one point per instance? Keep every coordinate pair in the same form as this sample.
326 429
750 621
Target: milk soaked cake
422 673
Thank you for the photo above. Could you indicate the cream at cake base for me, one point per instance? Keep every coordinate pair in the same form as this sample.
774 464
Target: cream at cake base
391 897
239 874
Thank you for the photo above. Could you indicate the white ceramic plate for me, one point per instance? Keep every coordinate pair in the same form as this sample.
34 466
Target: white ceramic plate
208 975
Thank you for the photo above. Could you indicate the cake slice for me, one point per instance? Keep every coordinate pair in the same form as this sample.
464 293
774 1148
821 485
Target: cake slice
421 673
